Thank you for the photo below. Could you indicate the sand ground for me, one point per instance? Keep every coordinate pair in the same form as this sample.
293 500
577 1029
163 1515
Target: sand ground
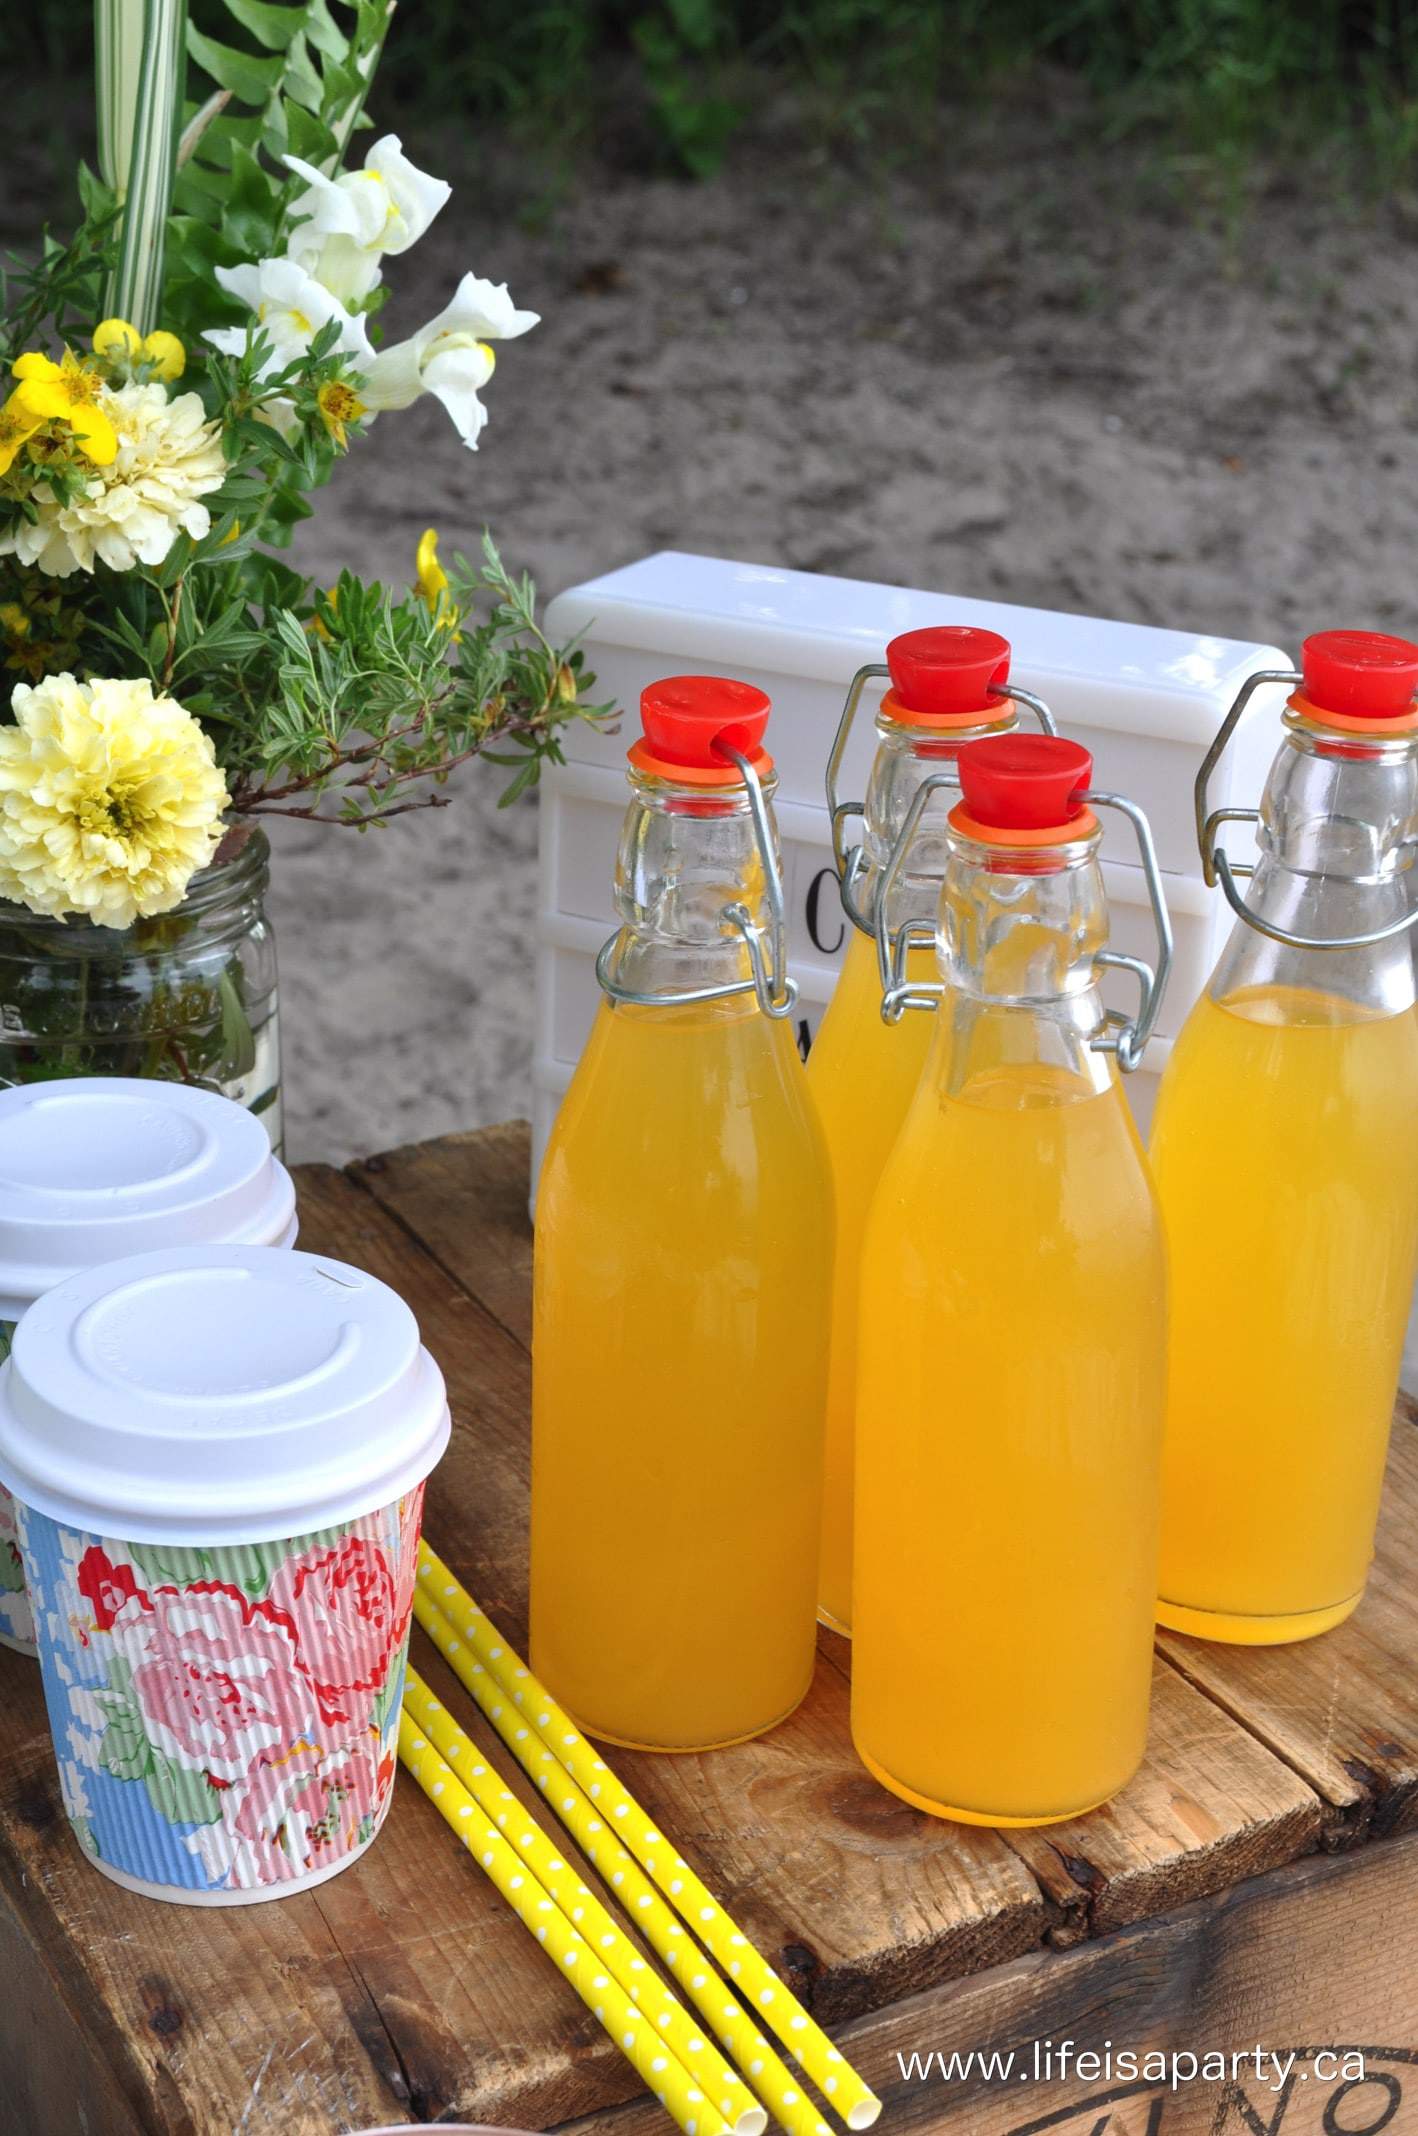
1018 367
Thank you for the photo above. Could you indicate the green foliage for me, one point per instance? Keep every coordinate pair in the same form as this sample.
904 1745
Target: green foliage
140 65
350 705
686 49
1222 77
294 83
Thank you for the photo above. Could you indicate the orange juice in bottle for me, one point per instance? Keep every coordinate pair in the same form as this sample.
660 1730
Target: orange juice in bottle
1285 1146
948 686
1012 1341
682 1274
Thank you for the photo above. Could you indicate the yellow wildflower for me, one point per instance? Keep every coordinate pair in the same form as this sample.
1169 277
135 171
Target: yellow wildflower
160 354
164 355
339 405
68 392
16 430
432 581
115 338
110 800
168 458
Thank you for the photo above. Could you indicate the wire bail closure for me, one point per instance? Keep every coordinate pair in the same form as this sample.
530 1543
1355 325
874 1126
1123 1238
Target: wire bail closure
850 862
1127 1037
776 993
1217 868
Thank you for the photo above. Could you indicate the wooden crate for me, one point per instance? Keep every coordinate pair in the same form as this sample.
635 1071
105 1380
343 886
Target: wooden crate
1253 1886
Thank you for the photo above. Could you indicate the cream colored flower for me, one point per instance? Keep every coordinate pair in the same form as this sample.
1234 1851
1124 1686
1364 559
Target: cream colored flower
110 800
450 357
132 511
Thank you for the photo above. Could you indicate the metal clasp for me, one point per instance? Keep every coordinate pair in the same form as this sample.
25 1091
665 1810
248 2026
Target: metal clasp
1217 868
850 862
1126 1037
776 993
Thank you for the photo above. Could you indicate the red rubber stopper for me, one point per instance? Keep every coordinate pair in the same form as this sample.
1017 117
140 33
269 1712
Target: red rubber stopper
948 668
1361 674
685 715
1024 782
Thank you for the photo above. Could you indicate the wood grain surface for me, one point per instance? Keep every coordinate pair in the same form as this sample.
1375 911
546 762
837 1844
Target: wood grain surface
404 1990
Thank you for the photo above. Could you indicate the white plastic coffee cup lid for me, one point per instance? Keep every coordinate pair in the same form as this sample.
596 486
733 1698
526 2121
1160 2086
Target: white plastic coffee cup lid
100 1167
218 1394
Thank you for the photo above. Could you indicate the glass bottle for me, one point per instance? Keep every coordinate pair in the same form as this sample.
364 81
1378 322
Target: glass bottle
1012 1342
682 1274
189 996
949 686
1285 1146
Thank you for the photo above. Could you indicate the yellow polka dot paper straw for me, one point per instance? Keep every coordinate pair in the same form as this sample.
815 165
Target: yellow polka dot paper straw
770 1999
681 2035
770 2076
671 2083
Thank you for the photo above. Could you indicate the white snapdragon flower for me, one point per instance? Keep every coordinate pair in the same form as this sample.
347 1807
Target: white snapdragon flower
347 223
449 357
291 307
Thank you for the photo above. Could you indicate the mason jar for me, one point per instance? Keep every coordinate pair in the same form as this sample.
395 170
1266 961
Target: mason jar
189 996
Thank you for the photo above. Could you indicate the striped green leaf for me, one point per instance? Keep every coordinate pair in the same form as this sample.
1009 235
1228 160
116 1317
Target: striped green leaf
148 109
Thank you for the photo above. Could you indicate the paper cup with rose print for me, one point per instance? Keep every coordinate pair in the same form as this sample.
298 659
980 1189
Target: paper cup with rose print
217 1456
104 1166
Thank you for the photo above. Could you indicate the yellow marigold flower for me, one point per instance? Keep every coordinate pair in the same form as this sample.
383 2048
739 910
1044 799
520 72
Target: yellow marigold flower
432 581
16 430
110 800
339 405
69 392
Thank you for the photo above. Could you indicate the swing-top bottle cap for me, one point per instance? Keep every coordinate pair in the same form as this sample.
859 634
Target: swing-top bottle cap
948 671
1024 788
690 720
1359 674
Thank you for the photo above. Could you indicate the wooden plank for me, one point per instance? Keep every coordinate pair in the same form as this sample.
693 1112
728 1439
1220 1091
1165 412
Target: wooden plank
459 1208
1209 1807
1211 1804
1342 1709
1319 1956
198 2016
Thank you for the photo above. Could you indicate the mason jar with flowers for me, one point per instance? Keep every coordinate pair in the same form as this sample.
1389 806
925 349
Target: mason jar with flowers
183 375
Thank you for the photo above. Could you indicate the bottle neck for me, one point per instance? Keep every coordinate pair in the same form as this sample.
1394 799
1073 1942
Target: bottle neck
1336 845
906 757
1019 935
687 856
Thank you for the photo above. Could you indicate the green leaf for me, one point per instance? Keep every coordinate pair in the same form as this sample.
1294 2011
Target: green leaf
180 1796
124 1749
248 77
272 26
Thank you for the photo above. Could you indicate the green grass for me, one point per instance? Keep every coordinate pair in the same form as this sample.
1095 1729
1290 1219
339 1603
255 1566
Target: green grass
674 80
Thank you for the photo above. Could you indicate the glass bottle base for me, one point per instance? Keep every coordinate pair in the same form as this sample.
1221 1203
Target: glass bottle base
687 1750
956 1815
1230 1628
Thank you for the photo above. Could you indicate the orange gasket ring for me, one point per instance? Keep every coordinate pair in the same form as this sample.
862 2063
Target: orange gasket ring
1083 825
641 757
1346 723
1000 711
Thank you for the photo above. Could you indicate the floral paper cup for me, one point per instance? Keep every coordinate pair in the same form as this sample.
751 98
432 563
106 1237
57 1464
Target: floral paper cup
218 1459
105 1166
